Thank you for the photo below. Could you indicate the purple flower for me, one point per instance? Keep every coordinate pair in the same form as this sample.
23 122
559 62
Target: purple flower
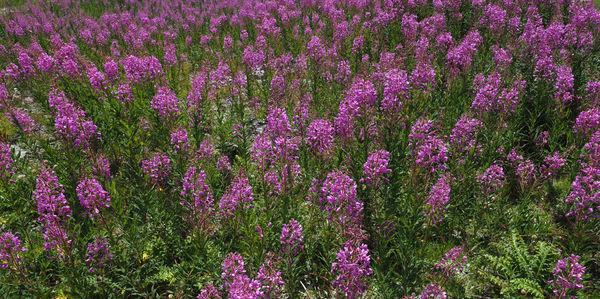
452 262
46 63
339 195
277 87
96 79
26 63
344 73
209 291
166 104
320 136
6 161
376 166
111 68
494 18
170 55
237 283
291 237
158 168
433 291
221 76
459 58
587 122
351 269
10 246
180 141
102 167
24 121
277 122
585 193
502 57
361 93
492 179
552 164
141 69
429 151
270 277
545 68
315 49
197 190
53 211
98 253
261 153
5 97
564 84
464 135
92 196
253 58
395 89
223 163
526 172
439 196
492 97
124 93
239 192
567 276
593 90
70 122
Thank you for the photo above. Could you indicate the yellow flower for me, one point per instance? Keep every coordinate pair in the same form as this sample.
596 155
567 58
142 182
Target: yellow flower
145 257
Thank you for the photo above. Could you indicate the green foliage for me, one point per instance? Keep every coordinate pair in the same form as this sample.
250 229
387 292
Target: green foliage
516 267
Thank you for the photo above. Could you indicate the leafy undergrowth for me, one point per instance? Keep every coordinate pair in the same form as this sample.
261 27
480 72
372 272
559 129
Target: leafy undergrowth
284 149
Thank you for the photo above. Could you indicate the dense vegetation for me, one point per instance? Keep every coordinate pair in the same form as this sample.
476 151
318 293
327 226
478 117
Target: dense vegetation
248 148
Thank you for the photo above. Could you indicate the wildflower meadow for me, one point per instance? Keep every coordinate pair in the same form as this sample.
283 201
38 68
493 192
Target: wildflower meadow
300 149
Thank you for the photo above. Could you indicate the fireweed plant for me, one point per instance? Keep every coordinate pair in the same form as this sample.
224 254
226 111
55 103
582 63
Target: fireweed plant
308 148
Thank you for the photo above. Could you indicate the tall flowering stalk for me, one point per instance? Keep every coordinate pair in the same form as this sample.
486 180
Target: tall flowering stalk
320 136
24 121
10 250
376 167
270 277
567 277
235 280
141 69
352 269
339 196
433 291
70 122
291 237
275 152
439 196
452 262
98 254
92 196
238 194
166 104
53 211
197 198
158 168
6 161
429 151
10 247
492 179
463 138
180 141
209 291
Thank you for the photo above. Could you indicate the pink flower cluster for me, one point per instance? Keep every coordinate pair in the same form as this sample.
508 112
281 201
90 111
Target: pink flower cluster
92 196
352 269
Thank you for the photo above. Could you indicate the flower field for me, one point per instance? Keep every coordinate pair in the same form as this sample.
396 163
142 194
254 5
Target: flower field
300 149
